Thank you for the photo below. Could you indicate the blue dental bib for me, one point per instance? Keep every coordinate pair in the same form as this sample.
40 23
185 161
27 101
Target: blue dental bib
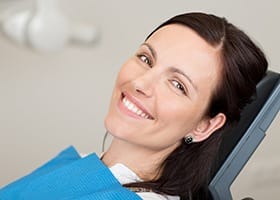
67 177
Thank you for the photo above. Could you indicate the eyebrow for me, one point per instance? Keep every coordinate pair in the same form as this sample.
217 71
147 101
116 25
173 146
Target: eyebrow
176 70
172 69
151 49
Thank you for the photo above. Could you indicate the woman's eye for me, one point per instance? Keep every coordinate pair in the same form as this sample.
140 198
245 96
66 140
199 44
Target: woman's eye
145 59
179 86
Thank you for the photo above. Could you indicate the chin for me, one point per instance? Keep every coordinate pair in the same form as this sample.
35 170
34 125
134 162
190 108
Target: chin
112 125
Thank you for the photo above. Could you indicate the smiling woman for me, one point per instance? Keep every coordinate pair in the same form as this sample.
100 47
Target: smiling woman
169 89
174 99
171 103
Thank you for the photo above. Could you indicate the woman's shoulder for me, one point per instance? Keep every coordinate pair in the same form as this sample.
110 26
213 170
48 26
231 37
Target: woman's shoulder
155 196
126 175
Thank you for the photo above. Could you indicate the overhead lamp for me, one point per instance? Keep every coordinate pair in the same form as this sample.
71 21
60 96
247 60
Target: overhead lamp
45 28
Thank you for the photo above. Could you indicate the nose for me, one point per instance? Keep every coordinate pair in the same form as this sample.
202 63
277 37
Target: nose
145 84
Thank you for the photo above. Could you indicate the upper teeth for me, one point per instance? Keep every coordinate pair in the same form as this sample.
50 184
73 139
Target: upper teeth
133 108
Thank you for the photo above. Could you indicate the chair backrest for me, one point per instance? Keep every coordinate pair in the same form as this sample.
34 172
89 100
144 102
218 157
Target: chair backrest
240 143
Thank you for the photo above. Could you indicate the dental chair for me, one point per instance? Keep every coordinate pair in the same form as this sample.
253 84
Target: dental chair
242 140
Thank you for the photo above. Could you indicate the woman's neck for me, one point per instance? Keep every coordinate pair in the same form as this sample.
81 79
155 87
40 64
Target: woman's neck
144 162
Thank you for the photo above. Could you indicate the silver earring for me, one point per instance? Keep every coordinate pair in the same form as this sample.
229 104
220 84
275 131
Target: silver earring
188 139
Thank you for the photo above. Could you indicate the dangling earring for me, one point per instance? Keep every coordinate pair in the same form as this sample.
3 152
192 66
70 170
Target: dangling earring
188 139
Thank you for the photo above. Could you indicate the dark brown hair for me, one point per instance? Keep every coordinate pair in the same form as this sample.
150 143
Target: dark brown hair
186 172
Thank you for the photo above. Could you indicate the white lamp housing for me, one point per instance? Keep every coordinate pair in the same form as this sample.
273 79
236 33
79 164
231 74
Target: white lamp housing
45 28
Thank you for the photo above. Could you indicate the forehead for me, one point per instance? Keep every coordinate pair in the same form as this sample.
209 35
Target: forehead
179 46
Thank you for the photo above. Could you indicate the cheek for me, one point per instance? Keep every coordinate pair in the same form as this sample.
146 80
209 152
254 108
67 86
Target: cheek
181 115
127 72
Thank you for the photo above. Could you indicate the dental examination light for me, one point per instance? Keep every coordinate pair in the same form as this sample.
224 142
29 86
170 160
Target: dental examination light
45 28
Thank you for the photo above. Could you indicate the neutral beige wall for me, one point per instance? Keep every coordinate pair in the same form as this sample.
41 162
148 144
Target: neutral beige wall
51 101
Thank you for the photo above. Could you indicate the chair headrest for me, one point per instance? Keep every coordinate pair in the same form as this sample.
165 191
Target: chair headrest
264 88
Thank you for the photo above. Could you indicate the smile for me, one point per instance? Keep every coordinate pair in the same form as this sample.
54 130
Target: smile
135 109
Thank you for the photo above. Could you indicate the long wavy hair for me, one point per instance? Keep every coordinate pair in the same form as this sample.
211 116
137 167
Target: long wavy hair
187 171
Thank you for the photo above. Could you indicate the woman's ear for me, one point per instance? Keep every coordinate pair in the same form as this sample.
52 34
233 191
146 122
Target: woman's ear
208 126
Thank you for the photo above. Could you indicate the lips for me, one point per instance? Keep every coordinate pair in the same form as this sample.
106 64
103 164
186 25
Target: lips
135 107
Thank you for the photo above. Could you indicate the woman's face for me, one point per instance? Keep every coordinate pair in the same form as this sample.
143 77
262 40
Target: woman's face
162 92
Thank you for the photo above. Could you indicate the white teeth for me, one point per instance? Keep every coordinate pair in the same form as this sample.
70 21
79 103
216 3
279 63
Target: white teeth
130 106
139 112
133 108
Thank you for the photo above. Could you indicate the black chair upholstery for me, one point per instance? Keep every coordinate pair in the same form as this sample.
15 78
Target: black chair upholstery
240 143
